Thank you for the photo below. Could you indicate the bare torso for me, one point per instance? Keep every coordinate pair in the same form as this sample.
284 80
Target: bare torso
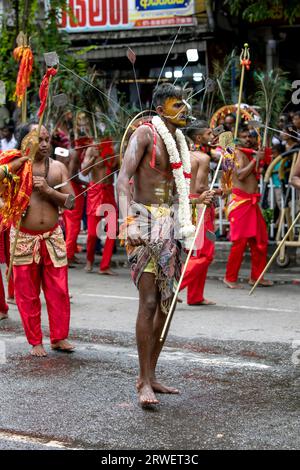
98 169
200 164
42 214
249 183
153 186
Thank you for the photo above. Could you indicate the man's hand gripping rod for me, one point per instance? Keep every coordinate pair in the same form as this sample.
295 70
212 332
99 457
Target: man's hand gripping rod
171 311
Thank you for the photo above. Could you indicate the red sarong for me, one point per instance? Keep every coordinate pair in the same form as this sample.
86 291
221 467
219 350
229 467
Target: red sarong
54 280
197 268
245 217
5 257
101 203
247 227
3 304
72 220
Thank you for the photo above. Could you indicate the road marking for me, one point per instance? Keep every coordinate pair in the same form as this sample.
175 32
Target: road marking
172 354
168 354
238 307
121 297
264 309
15 437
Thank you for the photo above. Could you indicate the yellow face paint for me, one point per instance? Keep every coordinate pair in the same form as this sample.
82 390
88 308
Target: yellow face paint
175 111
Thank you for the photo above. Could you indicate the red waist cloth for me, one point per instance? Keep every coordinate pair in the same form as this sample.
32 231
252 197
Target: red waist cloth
99 194
245 216
38 232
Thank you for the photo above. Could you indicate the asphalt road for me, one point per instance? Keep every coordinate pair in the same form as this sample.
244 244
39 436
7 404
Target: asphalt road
236 365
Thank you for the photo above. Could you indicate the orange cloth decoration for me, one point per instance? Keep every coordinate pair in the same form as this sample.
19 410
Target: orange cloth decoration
23 54
44 89
15 193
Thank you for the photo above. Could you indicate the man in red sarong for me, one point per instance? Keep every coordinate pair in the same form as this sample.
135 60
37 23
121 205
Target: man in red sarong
40 257
247 225
72 219
196 272
99 162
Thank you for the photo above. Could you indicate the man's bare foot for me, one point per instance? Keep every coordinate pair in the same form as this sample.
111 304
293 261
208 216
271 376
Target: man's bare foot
38 351
108 272
262 283
3 316
11 300
232 285
88 267
146 394
63 346
204 302
160 388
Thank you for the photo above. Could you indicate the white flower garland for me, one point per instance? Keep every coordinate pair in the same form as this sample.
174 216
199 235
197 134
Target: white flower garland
181 168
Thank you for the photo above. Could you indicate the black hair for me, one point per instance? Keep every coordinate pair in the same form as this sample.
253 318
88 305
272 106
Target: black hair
165 91
297 113
230 115
23 130
278 147
198 127
243 128
9 124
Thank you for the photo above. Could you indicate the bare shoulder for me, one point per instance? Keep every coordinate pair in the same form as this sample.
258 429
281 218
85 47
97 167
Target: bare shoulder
57 167
142 133
92 151
242 158
194 160
202 158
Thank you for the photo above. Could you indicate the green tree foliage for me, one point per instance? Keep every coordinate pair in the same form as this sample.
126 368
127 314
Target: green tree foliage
261 10
271 95
44 36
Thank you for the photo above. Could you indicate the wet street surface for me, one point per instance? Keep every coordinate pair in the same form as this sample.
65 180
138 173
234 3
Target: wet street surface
237 365
233 396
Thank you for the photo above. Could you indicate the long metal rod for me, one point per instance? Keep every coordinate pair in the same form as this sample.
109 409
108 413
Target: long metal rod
97 182
170 314
97 89
162 69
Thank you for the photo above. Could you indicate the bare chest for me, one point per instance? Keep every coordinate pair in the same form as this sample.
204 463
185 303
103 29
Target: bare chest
48 171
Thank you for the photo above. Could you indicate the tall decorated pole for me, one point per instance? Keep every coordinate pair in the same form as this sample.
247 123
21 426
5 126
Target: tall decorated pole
23 54
29 148
245 64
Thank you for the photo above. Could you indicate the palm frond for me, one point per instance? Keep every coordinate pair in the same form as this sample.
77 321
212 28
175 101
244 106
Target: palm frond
271 94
